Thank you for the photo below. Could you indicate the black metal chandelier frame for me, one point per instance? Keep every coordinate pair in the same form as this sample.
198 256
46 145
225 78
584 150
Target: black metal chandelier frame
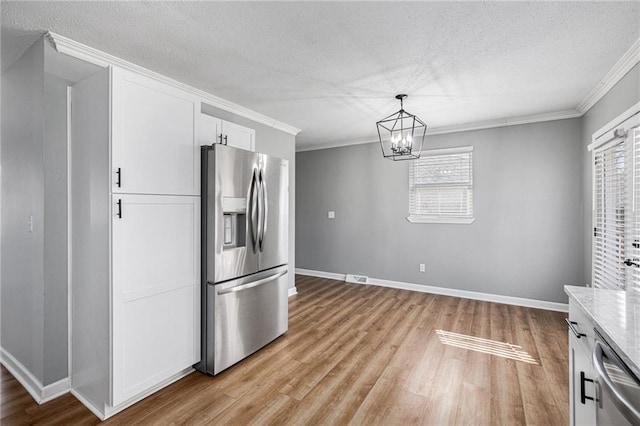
406 134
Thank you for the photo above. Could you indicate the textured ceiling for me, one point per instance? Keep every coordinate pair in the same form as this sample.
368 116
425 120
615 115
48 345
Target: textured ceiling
332 68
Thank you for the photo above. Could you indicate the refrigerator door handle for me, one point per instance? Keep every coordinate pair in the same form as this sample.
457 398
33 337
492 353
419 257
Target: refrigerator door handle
260 208
253 211
264 211
252 284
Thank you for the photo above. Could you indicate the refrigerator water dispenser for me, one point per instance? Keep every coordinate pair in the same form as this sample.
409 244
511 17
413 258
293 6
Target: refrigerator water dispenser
234 218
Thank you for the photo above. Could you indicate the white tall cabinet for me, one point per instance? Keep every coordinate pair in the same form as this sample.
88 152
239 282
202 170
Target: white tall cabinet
135 218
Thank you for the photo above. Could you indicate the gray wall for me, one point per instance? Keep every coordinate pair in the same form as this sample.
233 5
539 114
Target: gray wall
279 144
23 195
525 241
33 269
55 230
621 97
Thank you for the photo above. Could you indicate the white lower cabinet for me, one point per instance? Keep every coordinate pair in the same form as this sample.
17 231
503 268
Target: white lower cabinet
155 289
136 317
581 385
582 391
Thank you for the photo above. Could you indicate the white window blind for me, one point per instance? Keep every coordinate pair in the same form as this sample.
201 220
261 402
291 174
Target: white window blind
633 222
609 215
441 186
616 204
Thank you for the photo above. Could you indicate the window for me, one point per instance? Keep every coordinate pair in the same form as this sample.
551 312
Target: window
616 206
441 186
608 215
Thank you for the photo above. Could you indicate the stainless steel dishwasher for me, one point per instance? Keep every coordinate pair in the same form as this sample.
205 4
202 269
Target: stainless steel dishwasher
617 388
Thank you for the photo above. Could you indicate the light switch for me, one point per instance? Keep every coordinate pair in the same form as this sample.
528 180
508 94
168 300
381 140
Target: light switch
331 214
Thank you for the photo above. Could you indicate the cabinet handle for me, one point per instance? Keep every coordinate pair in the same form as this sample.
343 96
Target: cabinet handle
119 173
583 396
572 328
119 214
220 138
225 139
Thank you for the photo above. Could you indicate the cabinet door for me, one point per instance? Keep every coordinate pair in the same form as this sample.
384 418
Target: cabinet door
239 136
581 384
210 130
214 130
156 297
154 149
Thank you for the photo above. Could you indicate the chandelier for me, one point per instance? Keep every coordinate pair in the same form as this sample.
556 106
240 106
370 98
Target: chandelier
401 134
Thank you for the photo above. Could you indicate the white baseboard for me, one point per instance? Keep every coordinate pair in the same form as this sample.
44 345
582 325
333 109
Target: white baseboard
320 274
465 294
38 392
95 410
111 411
22 375
293 291
56 389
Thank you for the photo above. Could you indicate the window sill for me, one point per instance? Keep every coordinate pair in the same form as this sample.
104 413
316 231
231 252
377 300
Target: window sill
452 220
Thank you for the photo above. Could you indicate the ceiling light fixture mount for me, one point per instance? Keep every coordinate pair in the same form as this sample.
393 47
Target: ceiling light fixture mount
401 134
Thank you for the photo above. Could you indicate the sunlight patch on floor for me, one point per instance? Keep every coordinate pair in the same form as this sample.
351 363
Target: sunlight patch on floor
492 347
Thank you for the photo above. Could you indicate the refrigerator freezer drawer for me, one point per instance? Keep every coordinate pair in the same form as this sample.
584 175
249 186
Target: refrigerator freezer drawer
249 313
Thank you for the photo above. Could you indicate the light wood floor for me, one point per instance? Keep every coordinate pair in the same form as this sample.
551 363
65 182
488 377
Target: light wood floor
362 355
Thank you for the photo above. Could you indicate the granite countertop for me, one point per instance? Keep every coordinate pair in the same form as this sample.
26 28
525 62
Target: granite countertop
616 315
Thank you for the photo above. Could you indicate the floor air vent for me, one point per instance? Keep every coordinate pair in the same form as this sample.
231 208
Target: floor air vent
357 279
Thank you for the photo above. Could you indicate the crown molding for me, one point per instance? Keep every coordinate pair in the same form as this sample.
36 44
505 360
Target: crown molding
481 125
338 144
81 51
615 74
505 122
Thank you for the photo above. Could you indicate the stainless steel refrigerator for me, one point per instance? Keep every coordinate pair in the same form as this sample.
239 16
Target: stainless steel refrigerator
245 205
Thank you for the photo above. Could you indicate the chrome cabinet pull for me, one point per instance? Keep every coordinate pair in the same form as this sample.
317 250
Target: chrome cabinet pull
571 325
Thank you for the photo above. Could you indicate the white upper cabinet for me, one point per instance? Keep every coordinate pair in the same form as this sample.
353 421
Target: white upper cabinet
214 130
238 136
154 147
210 130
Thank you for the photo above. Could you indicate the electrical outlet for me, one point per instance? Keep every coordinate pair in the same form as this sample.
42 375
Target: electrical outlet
422 267
331 214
